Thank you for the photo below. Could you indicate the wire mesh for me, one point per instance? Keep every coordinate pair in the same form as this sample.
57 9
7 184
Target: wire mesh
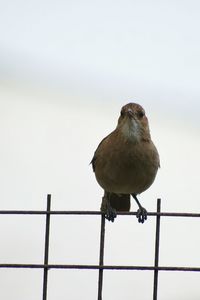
100 267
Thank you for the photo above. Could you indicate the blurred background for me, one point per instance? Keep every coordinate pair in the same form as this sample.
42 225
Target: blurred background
66 68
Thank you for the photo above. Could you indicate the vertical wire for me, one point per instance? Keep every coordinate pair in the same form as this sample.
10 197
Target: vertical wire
101 257
46 249
157 245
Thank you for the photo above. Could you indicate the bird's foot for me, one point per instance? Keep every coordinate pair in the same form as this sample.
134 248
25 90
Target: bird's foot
110 213
141 215
107 209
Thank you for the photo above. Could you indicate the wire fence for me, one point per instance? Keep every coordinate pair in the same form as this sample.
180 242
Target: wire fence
156 268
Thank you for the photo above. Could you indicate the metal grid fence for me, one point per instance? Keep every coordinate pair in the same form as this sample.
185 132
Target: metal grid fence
101 267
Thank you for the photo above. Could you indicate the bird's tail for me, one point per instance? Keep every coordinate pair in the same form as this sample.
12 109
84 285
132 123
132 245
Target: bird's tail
118 202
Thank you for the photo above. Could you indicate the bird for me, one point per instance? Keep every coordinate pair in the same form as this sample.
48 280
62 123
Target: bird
126 162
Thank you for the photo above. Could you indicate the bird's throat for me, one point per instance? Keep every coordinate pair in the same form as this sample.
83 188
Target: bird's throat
131 131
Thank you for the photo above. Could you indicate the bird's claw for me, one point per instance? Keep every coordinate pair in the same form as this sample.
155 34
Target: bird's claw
106 208
110 214
141 215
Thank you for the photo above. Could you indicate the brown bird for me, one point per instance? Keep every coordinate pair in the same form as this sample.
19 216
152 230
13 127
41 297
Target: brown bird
126 162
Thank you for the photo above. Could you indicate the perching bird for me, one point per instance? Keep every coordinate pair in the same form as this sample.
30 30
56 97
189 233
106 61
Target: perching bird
126 162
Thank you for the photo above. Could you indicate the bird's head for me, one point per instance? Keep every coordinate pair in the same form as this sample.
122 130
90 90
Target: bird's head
133 122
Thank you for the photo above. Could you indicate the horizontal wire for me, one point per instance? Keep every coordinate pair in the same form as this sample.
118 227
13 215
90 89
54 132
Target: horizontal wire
97 267
77 212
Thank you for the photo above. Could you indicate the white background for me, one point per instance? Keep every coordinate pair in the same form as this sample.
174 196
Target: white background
66 68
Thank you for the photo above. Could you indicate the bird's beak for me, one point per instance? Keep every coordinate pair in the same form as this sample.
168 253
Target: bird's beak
130 113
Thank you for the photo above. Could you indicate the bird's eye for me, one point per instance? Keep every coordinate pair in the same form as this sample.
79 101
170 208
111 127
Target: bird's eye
122 113
141 114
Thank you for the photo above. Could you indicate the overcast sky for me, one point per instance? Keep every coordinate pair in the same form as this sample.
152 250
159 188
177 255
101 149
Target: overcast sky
66 68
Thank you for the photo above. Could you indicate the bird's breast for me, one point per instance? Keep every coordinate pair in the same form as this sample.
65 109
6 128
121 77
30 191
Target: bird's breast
127 168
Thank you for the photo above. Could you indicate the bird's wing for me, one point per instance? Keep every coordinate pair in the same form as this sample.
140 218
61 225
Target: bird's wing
96 153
